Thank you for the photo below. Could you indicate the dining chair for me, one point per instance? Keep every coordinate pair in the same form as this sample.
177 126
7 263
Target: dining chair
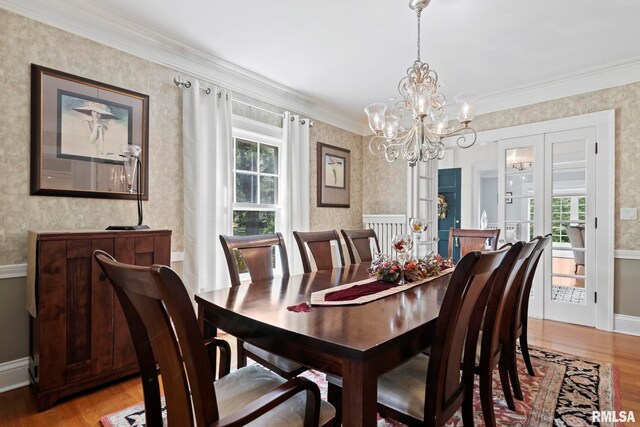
319 244
256 252
472 240
428 389
249 394
359 242
522 307
495 320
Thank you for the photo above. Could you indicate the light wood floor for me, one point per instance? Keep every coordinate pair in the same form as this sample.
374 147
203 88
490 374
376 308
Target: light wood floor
18 408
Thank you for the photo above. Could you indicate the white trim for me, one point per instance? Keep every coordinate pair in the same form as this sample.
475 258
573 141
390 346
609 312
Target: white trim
177 256
14 374
626 254
122 33
626 324
10 271
597 78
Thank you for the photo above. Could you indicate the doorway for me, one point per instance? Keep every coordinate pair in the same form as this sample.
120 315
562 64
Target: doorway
449 196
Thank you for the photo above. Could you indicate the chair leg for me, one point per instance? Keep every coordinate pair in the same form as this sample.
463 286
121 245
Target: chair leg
242 357
506 387
512 366
524 347
334 396
486 398
467 407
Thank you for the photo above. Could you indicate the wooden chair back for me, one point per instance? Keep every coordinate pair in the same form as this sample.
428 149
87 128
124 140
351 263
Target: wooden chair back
359 241
257 254
472 240
522 307
162 303
319 243
466 294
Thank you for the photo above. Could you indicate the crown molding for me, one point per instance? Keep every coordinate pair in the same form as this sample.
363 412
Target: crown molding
128 36
589 80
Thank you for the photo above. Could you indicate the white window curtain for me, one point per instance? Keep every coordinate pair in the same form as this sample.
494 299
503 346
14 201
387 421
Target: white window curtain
207 154
296 139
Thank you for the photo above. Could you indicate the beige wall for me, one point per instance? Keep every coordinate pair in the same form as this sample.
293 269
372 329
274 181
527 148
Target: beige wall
626 290
336 218
14 333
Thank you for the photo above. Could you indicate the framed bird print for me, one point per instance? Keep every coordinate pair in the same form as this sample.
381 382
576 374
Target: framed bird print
334 178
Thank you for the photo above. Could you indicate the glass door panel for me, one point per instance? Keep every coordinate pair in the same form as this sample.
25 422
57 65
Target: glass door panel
568 288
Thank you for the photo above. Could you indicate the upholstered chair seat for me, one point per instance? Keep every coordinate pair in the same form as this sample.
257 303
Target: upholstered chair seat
239 388
270 359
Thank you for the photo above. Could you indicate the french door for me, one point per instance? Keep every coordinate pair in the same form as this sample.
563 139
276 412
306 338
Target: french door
520 201
547 184
422 181
570 169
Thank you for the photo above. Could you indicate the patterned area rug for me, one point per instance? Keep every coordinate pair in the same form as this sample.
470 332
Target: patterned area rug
568 294
564 392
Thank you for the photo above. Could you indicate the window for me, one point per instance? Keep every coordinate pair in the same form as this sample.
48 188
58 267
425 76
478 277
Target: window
256 175
566 210
256 187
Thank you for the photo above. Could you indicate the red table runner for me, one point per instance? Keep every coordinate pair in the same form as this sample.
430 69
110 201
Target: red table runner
364 291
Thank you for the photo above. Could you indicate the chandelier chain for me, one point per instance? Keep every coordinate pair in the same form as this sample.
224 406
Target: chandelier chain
418 44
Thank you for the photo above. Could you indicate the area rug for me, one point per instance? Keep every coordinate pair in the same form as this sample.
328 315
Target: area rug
565 392
568 294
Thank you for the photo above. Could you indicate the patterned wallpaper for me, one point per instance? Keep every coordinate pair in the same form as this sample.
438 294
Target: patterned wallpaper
386 183
336 218
25 41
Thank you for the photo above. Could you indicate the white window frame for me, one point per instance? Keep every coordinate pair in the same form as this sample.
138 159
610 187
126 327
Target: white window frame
260 133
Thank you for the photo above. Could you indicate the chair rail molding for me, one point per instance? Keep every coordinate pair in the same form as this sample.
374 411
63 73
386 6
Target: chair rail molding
627 254
122 33
10 271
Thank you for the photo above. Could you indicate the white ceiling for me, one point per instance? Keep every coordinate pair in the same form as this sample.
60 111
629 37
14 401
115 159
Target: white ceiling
348 54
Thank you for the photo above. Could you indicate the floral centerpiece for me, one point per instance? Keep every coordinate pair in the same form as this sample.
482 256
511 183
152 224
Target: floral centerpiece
386 269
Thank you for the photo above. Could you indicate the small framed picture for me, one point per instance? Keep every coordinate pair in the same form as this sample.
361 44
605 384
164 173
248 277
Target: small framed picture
334 164
79 130
508 200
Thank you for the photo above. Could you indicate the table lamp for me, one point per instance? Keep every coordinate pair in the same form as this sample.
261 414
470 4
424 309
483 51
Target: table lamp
132 170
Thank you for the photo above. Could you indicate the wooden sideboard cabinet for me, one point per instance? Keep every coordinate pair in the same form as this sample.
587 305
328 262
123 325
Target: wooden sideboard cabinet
79 337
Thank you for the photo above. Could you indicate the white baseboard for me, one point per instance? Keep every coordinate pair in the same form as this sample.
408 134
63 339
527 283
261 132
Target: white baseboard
626 324
14 374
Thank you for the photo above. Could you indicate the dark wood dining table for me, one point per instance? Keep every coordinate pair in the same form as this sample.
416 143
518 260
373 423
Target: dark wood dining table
355 342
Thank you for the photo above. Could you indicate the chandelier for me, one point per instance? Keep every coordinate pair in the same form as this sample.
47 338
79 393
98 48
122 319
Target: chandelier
414 127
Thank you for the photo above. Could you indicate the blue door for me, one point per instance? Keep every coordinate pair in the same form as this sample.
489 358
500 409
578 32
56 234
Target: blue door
449 187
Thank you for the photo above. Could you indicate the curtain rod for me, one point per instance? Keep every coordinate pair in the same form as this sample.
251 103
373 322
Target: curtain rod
187 84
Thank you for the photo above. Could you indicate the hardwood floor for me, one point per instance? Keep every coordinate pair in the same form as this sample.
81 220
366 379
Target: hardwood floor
18 407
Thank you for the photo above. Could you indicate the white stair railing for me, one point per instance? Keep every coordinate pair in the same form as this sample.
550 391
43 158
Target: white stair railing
385 227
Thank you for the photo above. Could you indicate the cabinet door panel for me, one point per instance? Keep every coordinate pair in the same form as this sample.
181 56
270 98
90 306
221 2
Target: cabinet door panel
52 282
78 302
123 350
102 300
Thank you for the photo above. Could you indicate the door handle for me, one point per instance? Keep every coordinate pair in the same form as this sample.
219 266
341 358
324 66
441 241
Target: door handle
457 221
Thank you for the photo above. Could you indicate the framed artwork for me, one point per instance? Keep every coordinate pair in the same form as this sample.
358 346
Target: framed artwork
508 200
79 128
334 176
